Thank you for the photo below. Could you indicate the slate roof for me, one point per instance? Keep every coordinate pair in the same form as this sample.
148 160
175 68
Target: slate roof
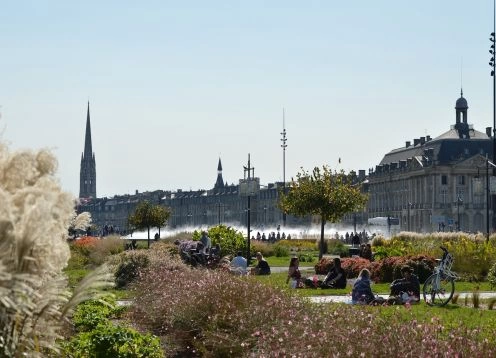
446 148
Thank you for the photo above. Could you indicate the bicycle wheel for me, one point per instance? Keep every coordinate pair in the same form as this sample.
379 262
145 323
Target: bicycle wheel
438 294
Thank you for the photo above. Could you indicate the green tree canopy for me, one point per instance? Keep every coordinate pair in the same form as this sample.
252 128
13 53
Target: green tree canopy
147 216
324 193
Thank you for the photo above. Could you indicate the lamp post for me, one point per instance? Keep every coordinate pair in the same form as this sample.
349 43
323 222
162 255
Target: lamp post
248 187
189 218
488 194
408 216
487 199
218 213
265 214
458 201
283 146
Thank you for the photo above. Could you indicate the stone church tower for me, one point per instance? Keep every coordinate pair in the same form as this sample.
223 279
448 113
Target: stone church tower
87 176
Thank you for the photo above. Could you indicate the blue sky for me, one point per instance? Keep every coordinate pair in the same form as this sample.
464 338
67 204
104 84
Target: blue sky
174 85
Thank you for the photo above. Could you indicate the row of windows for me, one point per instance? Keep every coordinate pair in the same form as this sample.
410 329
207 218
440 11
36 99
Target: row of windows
460 179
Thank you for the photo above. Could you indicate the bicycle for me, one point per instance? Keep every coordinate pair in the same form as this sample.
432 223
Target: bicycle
439 287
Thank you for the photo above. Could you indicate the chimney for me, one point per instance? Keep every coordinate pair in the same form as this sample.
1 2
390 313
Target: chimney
416 142
428 138
488 131
407 144
422 140
361 174
137 191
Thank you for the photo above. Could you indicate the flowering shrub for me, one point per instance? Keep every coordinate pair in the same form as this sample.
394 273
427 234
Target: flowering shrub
84 245
86 241
389 269
353 265
129 267
229 239
473 255
210 313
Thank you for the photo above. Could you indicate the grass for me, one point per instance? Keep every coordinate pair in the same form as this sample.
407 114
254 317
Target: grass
279 280
76 275
283 261
451 316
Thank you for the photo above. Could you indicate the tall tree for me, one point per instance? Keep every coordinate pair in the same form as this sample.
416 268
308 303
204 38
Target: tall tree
147 216
327 194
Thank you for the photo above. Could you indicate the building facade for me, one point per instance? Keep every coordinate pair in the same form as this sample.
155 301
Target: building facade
195 208
435 184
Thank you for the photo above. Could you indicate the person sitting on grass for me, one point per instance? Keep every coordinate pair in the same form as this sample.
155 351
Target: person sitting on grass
361 292
294 274
406 289
335 278
262 267
238 264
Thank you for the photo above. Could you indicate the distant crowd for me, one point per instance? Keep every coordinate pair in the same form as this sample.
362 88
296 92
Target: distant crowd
271 237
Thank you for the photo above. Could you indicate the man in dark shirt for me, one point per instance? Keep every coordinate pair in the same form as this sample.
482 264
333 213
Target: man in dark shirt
336 278
262 267
409 285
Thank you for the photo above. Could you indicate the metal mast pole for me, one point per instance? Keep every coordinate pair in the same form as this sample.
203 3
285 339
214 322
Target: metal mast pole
492 63
283 145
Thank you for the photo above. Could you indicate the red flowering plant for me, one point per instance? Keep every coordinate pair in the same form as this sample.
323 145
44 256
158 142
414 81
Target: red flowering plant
389 268
85 244
353 265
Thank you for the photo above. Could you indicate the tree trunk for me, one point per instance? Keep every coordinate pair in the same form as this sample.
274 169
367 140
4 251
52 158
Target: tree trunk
321 251
148 237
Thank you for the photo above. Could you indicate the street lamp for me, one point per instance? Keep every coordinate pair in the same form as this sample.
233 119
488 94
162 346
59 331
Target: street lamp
488 192
408 216
218 213
189 218
249 186
458 201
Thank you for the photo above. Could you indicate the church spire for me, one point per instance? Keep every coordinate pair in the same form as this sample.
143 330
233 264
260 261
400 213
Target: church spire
88 150
219 183
87 174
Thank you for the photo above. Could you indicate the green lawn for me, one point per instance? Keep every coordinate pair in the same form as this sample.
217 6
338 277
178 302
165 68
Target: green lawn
274 261
279 280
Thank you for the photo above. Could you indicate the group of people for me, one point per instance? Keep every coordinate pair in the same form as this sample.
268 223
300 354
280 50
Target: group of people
366 252
403 290
239 265
335 278
271 237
